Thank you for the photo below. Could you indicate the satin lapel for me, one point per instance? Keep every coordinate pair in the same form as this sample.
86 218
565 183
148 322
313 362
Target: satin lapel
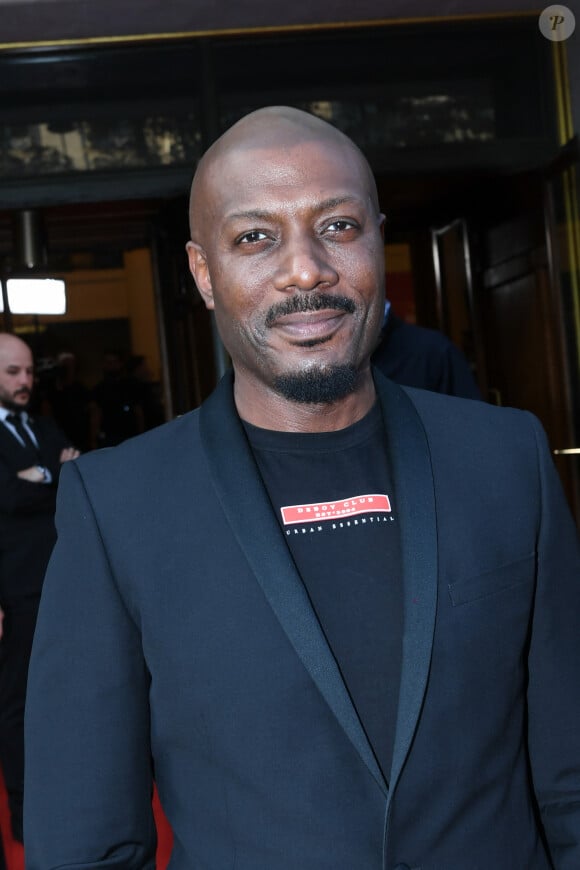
414 492
247 507
12 448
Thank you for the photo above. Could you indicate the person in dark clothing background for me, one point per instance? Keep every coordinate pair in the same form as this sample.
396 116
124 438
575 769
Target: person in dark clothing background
115 408
414 356
31 454
146 390
67 400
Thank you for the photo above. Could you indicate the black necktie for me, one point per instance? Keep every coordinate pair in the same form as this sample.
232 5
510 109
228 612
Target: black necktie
18 423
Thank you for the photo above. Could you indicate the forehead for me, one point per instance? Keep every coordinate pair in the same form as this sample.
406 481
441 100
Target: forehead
288 176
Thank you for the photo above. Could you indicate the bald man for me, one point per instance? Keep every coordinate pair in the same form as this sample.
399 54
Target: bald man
31 453
336 619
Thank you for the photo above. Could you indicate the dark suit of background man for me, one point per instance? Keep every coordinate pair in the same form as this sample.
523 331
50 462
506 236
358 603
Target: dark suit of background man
414 356
337 618
31 453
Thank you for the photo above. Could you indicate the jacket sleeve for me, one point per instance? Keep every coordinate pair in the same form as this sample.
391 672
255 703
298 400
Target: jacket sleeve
55 440
20 497
88 776
554 671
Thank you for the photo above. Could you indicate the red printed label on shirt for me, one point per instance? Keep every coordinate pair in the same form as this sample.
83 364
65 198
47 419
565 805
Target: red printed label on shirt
333 510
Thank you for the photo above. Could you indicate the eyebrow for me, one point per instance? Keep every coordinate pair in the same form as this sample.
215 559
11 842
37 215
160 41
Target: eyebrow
264 215
251 214
335 201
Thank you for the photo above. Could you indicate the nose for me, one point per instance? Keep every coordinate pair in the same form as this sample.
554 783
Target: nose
304 265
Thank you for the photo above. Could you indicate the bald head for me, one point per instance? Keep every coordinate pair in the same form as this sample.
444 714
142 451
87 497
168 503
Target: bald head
16 372
11 345
280 129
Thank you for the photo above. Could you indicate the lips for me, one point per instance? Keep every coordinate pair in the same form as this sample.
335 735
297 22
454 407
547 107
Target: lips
310 325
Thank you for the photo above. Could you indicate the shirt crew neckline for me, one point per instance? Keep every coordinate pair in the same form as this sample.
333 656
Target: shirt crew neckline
340 439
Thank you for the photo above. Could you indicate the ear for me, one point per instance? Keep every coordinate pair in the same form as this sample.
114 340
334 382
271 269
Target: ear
382 222
198 266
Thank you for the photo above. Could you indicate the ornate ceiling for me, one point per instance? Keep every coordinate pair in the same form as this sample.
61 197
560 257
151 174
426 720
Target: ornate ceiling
49 21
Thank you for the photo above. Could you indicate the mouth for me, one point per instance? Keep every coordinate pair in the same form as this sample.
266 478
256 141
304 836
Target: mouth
310 327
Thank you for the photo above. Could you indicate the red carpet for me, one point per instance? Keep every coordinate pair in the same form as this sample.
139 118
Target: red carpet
15 853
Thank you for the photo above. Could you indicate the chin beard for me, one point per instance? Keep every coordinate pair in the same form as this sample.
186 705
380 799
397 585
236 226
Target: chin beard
318 386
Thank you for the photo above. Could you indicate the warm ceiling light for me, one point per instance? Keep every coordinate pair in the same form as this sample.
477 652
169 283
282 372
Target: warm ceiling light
35 296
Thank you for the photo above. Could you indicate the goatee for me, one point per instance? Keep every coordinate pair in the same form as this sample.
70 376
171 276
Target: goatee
318 386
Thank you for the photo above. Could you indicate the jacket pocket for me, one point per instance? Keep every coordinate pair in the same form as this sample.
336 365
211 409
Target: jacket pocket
492 582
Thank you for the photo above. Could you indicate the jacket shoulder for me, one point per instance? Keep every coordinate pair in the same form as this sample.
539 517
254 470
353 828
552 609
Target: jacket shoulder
143 454
471 440
463 413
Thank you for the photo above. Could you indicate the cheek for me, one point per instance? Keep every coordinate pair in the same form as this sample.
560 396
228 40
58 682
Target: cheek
239 293
236 317
362 270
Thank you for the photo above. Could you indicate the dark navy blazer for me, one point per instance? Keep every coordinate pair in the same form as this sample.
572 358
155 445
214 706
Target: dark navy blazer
176 639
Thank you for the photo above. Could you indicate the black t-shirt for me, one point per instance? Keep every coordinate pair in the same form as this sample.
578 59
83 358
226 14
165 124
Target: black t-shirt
333 495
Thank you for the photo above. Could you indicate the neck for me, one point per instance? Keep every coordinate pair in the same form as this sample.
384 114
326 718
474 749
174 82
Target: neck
267 409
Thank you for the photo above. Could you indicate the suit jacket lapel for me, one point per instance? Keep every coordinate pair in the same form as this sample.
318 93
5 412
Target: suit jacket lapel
247 507
414 492
15 452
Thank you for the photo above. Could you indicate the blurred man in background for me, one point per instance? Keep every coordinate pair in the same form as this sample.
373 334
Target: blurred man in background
31 454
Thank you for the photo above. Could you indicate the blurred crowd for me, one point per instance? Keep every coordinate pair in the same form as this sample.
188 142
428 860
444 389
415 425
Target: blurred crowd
125 402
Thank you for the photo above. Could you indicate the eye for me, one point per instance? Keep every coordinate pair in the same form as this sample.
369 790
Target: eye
342 225
251 237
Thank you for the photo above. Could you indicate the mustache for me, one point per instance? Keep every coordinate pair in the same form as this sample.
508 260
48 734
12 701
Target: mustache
309 302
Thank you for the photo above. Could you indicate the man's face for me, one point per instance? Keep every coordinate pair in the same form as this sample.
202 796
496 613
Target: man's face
16 375
292 260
